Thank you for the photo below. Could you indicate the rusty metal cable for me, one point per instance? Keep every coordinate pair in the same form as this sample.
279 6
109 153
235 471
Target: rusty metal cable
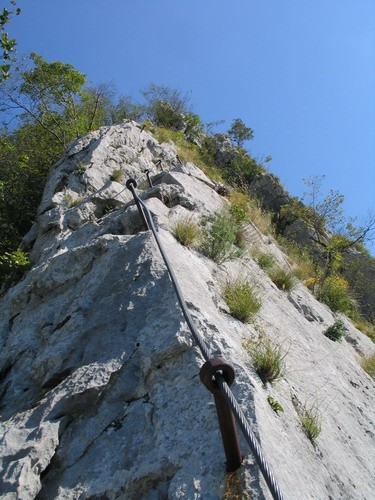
222 385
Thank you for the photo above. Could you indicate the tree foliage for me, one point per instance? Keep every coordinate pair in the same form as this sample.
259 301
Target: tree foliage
7 44
239 133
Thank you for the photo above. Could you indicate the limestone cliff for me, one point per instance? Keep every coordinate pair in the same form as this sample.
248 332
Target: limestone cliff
99 385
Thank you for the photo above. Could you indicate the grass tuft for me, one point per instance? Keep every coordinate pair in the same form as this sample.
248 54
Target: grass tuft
265 260
117 175
284 280
187 232
311 422
268 358
368 364
241 298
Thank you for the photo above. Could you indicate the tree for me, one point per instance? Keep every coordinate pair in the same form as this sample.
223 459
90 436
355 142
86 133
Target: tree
48 94
239 133
332 231
7 44
166 106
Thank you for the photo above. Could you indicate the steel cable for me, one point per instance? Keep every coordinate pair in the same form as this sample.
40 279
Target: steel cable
223 386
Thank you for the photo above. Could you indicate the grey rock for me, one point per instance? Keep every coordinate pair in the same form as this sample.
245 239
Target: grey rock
99 388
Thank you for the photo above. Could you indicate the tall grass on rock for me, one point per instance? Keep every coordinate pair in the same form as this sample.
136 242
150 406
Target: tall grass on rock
268 358
368 364
283 279
311 422
187 232
241 298
265 260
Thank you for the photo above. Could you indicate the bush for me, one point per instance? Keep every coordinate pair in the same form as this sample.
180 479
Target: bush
241 299
310 421
368 364
336 331
13 265
268 358
187 232
284 280
335 293
221 240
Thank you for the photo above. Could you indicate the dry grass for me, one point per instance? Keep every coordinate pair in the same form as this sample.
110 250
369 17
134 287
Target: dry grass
187 232
368 364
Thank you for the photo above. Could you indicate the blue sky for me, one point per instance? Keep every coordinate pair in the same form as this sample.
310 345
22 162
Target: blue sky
300 73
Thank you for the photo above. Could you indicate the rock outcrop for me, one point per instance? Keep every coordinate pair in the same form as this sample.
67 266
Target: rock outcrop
99 385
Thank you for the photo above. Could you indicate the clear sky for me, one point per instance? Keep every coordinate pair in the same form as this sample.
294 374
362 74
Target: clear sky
301 73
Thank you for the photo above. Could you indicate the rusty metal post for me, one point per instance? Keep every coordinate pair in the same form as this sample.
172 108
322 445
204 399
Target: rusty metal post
147 172
131 184
218 367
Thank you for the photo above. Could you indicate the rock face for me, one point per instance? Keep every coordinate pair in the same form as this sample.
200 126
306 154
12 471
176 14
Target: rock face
99 385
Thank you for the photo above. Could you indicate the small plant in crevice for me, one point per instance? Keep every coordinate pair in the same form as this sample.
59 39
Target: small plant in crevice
117 175
368 364
283 279
311 422
335 332
187 232
81 168
275 405
221 237
69 201
268 358
241 299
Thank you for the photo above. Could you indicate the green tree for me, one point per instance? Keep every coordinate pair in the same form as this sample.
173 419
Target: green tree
166 106
7 44
47 94
239 133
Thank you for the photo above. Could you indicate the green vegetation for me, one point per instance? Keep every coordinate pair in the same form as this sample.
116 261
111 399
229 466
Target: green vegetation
311 422
241 298
335 293
336 331
275 405
265 260
283 279
365 326
222 237
268 358
117 175
368 364
13 265
187 232
7 44
187 151
239 133
70 202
